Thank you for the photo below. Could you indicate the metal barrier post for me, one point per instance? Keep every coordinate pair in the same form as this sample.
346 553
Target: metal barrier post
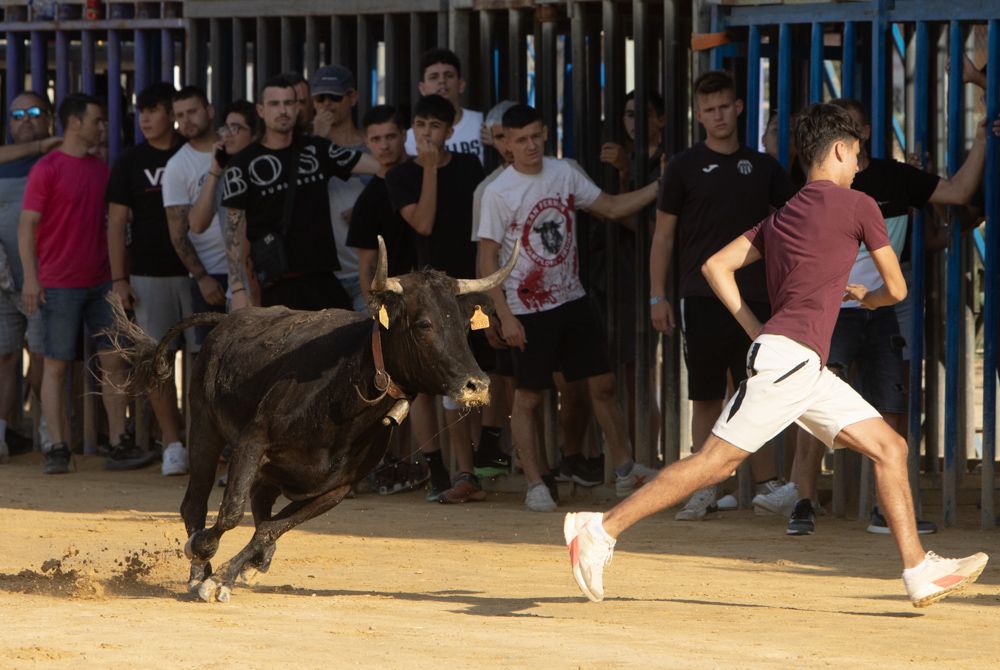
114 95
88 74
141 70
915 338
816 63
988 518
848 63
753 87
62 66
39 66
953 327
784 91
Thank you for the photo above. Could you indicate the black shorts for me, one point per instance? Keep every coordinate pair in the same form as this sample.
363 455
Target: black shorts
714 342
569 338
312 292
485 355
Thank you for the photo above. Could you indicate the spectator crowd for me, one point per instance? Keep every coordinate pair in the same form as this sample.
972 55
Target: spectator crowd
282 202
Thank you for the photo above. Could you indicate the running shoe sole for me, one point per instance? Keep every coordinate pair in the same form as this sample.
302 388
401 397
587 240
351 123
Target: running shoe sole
884 530
570 533
960 586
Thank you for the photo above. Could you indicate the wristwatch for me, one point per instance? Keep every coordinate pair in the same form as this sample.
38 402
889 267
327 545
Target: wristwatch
656 299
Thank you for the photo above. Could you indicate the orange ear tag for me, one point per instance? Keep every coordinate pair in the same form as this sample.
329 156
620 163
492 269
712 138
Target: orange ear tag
383 317
479 319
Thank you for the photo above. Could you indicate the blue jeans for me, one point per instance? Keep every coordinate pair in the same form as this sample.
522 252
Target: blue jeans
66 310
871 339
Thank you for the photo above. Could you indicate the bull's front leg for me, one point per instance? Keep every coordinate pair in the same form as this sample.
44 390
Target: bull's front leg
243 468
219 586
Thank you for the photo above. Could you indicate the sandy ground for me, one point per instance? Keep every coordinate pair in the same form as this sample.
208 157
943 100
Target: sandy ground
91 575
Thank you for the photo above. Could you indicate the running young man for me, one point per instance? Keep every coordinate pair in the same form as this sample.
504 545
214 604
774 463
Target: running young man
808 247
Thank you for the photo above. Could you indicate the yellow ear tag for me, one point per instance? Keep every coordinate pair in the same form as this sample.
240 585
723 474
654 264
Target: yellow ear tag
479 319
383 317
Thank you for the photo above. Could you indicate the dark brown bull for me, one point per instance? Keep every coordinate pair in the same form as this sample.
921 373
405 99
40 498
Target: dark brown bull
307 409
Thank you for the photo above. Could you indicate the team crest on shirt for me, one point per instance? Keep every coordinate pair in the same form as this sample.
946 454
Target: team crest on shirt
745 167
547 237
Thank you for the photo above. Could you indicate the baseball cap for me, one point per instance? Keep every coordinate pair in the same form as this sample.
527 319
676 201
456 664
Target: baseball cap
335 79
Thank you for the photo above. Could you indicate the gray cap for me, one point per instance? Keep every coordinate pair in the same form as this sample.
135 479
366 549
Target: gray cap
332 79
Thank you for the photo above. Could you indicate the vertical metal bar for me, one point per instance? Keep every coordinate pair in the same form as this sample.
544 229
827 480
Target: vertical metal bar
393 41
62 66
879 71
715 57
459 41
753 87
487 27
39 65
417 48
311 56
192 37
915 338
88 73
517 65
547 83
261 48
953 328
578 32
215 46
141 71
114 94
239 57
848 63
167 58
363 77
644 448
784 91
15 65
443 28
988 518
288 45
816 63
614 83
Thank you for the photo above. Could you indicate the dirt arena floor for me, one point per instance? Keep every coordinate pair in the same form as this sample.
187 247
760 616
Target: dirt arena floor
92 576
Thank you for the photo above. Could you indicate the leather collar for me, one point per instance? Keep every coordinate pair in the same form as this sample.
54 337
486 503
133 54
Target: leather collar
383 382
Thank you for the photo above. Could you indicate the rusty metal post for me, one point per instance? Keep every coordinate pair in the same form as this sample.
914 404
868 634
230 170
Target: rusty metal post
516 59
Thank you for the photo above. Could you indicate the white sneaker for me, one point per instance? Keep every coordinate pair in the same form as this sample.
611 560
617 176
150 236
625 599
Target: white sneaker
539 499
175 460
776 498
590 549
636 477
701 505
4 451
942 576
727 503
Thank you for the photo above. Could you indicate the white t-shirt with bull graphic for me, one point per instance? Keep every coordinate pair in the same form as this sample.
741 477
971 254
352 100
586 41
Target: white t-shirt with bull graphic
539 210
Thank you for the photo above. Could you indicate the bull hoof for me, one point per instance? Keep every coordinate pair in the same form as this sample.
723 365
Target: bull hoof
207 590
223 595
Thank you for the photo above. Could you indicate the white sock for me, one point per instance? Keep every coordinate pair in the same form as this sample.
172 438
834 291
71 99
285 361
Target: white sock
175 443
915 570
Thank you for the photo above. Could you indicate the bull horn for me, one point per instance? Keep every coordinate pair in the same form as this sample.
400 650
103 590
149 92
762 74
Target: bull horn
382 280
487 283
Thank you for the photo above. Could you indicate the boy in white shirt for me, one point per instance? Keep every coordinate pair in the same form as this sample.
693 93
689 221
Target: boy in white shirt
442 74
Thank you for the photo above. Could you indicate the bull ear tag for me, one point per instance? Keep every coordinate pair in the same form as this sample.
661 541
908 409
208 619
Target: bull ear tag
383 317
479 319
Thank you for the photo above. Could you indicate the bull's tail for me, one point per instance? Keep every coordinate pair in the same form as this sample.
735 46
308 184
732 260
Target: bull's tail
146 357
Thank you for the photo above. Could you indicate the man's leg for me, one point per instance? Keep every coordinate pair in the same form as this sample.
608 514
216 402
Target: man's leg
522 424
610 417
53 390
466 486
113 376
423 420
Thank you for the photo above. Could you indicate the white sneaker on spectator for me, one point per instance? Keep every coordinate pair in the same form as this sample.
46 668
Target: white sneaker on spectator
701 505
4 451
727 503
539 499
939 577
773 497
636 477
175 460
590 549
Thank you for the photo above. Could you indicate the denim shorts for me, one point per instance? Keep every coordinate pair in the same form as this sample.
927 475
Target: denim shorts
15 324
67 310
871 340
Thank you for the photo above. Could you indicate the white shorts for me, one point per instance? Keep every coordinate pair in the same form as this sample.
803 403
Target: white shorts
786 383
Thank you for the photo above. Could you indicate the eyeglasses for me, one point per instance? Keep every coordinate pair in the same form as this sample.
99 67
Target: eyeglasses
232 129
34 112
328 97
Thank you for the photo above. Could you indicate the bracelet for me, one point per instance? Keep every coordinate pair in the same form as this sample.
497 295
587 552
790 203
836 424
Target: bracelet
237 290
119 279
215 174
657 299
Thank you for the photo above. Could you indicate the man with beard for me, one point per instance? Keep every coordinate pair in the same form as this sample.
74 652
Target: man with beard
275 191
147 275
30 120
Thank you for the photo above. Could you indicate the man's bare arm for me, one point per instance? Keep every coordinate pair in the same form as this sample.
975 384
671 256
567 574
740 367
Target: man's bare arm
366 270
13 152
618 207
234 233
893 287
177 220
661 251
32 293
963 184
118 253
720 271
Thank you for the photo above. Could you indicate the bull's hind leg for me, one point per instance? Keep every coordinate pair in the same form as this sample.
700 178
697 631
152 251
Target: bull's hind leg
204 448
219 586
243 466
262 497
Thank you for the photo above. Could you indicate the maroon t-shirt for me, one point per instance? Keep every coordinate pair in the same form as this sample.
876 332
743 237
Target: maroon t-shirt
809 246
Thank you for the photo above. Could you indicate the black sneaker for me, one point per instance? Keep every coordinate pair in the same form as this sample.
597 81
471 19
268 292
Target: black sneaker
581 471
18 444
803 520
57 459
490 463
126 455
879 526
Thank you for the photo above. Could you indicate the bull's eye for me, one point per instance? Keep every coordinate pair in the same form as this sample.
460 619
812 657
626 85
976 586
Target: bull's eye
424 324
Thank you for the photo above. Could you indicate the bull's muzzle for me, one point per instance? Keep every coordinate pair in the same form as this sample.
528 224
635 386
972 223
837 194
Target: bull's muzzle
475 392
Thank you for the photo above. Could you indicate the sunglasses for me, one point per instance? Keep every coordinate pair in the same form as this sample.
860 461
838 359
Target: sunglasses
232 129
33 112
328 97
